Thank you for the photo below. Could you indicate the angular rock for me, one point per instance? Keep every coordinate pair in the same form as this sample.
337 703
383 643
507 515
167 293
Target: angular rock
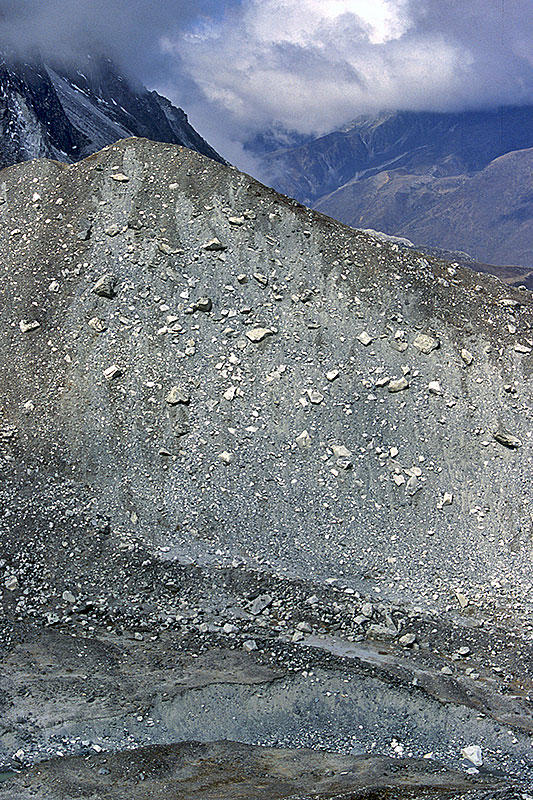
114 371
425 343
214 246
303 440
105 286
27 326
365 338
398 385
258 334
260 604
97 324
507 439
178 396
204 304
467 357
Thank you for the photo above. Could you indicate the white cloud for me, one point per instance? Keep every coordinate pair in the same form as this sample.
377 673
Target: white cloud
312 65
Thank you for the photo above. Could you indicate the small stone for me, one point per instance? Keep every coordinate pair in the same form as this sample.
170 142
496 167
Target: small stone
261 279
507 439
105 286
446 671
521 348
214 246
11 583
378 631
464 651
332 375
119 177
303 440
393 452
461 599
113 230
236 221
242 278
225 457
435 388
177 396
398 385
367 610
112 372
340 451
68 597
97 324
138 637
447 499
425 343
258 334
204 304
413 486
364 338
249 646
260 604
473 754
229 628
314 397
467 357
305 627
407 640
29 325
344 463
230 393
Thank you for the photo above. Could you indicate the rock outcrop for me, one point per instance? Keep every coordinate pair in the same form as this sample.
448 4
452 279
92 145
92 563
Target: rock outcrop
55 110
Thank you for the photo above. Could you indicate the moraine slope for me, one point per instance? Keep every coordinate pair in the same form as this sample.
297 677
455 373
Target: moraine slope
230 422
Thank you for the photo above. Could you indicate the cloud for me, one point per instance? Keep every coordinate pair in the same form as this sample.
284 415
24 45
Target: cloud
127 31
313 65
240 67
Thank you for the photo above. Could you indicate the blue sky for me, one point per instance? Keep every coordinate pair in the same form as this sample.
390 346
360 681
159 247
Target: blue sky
307 65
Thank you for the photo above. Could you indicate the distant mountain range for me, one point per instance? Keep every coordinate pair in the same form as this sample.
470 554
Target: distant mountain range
60 112
458 181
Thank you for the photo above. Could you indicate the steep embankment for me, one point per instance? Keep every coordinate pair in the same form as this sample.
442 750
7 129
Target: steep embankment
228 421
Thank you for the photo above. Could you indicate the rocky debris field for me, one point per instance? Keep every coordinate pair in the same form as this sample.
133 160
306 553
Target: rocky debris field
264 479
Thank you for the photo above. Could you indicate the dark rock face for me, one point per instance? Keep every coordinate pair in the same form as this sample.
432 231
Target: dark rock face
253 479
430 177
57 111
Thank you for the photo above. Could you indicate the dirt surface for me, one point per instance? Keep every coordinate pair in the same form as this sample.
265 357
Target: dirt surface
238 772
264 478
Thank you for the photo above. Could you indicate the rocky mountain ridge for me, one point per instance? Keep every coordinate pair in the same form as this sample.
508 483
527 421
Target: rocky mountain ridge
435 178
58 111
265 479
